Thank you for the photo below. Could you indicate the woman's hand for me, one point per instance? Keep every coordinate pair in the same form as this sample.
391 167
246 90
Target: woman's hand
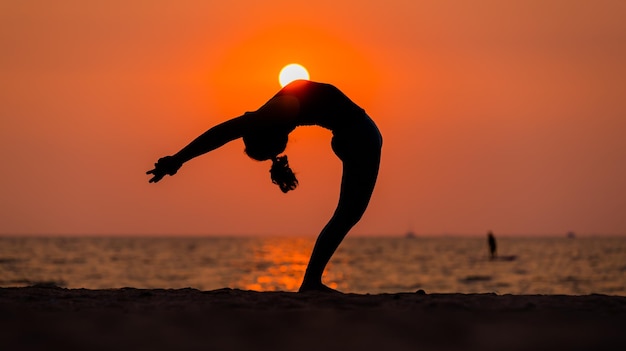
167 165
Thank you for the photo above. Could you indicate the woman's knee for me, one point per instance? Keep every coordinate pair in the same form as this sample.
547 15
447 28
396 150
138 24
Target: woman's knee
346 218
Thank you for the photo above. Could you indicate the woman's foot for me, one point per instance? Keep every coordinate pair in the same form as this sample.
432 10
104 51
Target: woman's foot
318 288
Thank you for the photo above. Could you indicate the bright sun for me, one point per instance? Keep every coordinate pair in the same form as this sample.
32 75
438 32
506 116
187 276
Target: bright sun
292 72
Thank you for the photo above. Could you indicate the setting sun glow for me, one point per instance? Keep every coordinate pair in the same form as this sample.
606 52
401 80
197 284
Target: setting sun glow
292 72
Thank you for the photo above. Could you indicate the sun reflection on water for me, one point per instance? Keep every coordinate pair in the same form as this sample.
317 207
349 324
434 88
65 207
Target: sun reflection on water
279 265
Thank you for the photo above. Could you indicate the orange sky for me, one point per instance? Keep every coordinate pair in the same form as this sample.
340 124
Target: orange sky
497 115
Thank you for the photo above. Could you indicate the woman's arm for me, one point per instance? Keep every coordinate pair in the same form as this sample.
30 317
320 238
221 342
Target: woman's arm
214 138
208 141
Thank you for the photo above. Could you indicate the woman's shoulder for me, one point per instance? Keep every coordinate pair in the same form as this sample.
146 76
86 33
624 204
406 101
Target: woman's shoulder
315 96
307 87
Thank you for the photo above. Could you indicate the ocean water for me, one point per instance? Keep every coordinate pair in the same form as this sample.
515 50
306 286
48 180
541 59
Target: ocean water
361 265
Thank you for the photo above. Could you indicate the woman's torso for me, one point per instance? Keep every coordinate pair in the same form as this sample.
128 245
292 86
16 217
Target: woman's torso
354 132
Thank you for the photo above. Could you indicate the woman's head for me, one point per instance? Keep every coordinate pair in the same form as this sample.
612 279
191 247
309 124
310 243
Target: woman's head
263 146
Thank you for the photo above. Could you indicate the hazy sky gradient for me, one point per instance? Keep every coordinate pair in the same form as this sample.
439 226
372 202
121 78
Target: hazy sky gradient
497 115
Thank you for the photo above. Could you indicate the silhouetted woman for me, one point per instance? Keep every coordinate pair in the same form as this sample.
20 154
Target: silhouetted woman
356 141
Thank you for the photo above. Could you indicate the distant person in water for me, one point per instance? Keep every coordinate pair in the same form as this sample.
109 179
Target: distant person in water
491 240
356 141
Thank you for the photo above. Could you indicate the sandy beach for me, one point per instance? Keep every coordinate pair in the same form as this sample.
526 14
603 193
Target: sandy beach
228 319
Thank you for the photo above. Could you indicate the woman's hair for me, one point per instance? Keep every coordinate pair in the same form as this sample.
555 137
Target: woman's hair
282 175
266 145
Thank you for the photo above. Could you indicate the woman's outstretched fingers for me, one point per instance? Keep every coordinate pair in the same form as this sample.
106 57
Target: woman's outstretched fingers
156 175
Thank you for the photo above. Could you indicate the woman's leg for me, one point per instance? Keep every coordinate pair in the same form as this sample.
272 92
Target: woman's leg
357 185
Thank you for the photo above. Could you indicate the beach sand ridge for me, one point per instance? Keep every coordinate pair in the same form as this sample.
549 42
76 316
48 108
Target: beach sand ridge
231 319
